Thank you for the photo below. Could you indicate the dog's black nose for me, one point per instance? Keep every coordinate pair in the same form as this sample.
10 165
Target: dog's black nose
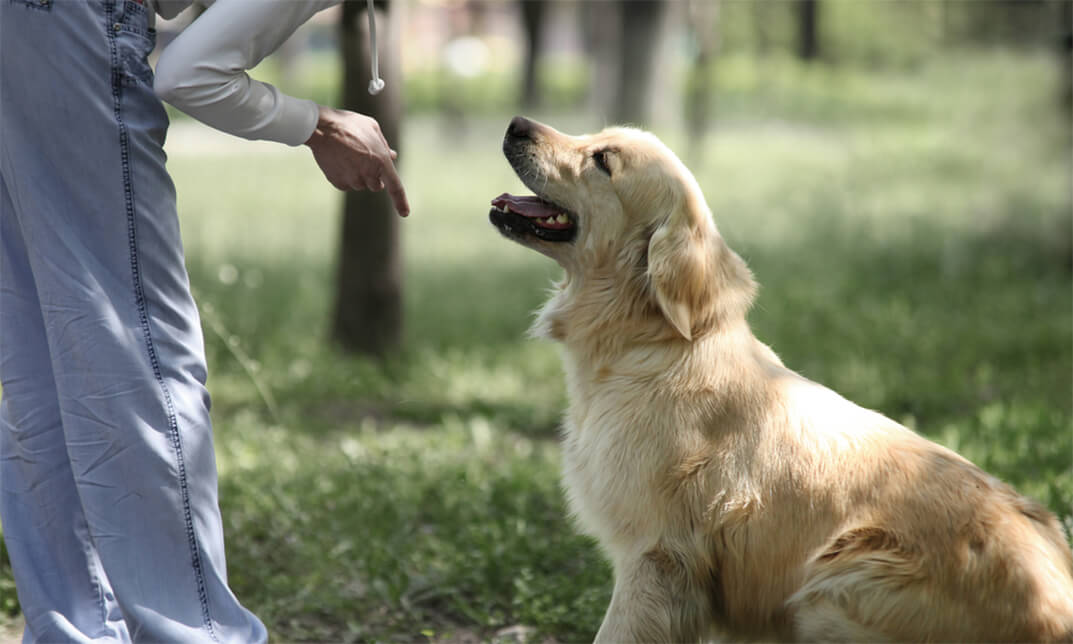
520 128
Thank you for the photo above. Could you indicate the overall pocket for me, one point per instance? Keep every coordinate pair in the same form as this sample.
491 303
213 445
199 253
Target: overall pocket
134 40
43 5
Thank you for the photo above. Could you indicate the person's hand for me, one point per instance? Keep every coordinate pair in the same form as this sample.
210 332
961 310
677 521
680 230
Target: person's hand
354 155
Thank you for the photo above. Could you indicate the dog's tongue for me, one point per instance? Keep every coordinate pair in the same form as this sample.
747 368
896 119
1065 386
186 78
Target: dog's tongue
526 206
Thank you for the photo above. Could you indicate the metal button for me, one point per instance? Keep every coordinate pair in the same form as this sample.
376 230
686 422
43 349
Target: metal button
117 27
43 3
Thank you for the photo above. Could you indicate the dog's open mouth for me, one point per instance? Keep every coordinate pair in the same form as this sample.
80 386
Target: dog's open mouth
519 216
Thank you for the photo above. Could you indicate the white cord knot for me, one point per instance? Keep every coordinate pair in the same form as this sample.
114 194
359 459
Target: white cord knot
377 83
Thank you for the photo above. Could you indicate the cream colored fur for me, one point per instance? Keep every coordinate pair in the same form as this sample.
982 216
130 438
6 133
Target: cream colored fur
734 497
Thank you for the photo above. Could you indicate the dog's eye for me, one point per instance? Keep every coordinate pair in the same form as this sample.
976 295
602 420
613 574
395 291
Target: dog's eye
600 159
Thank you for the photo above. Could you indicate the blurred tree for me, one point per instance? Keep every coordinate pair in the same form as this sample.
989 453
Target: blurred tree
808 37
642 26
600 26
288 56
622 39
703 25
368 306
760 30
1065 51
534 14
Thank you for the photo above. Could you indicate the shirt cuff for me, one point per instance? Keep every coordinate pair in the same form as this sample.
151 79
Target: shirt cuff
297 120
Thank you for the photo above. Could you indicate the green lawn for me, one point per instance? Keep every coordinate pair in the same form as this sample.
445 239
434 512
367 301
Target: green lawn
911 231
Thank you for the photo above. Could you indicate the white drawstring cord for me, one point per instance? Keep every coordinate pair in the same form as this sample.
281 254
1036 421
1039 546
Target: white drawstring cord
377 83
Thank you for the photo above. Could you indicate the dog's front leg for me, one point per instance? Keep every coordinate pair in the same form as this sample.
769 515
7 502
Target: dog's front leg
651 602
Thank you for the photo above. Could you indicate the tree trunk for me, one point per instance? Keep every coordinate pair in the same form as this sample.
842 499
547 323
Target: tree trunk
761 17
704 25
368 307
808 37
288 56
642 25
1065 52
600 26
534 13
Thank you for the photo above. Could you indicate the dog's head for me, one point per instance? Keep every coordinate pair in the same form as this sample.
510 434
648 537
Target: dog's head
626 219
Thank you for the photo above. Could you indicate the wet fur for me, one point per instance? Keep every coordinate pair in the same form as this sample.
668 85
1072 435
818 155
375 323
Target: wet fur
733 496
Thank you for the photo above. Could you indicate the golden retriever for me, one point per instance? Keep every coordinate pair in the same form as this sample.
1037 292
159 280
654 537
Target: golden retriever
733 496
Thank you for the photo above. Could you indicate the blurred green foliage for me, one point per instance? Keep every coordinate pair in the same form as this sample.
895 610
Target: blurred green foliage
891 34
882 35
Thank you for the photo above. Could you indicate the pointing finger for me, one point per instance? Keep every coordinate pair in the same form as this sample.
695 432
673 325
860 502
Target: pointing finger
394 187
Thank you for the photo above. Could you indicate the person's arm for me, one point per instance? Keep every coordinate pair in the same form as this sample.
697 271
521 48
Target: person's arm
203 73
354 155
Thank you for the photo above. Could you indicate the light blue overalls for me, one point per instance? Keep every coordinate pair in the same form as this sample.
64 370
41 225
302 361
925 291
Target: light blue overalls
108 495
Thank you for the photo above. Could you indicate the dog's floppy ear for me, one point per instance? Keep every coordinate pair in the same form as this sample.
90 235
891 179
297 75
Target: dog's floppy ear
696 280
680 265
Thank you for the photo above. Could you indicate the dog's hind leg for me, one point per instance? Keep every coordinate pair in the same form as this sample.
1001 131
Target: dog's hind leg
653 601
864 589
822 620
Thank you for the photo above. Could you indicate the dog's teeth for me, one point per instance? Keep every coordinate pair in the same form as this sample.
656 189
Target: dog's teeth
562 219
506 209
549 220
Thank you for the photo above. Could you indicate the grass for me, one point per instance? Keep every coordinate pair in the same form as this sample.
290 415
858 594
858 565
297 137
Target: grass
911 231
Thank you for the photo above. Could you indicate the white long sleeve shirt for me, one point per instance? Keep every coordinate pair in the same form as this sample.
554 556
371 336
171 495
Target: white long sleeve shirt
203 71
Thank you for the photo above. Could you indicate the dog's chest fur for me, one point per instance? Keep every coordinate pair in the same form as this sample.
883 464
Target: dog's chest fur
614 461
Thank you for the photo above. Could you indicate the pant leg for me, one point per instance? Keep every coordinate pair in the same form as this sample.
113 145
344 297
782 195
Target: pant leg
62 589
81 135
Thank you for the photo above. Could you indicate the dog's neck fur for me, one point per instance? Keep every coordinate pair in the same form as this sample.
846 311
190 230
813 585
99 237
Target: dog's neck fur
608 347
599 315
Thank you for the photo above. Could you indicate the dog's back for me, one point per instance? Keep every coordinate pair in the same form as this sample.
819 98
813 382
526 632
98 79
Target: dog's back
930 548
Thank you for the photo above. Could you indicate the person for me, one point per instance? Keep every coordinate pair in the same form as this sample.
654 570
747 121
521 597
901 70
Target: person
108 482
